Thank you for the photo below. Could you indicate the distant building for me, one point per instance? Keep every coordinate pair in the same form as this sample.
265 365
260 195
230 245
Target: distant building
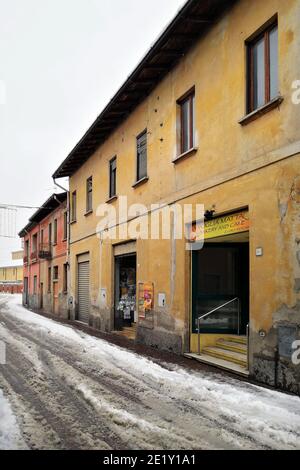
17 255
45 257
11 278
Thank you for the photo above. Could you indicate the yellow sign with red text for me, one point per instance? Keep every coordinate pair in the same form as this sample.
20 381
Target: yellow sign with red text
222 226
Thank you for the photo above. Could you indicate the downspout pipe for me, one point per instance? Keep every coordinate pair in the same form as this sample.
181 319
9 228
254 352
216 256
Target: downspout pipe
68 232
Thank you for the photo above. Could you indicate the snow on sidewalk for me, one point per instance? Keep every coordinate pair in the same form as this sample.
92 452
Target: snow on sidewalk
10 437
252 410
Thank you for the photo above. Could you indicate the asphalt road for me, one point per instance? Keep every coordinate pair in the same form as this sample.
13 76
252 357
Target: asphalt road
71 391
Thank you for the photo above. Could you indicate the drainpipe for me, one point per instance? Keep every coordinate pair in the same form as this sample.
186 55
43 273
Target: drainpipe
68 234
28 275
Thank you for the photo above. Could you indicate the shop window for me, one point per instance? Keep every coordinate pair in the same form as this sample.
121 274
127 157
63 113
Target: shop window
125 314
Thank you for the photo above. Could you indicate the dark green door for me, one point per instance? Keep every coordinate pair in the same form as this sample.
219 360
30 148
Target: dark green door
221 273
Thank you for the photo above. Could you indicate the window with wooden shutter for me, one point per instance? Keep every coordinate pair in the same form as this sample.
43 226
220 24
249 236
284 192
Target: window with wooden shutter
142 156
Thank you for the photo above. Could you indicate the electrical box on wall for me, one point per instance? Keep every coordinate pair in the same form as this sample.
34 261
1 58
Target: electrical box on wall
161 300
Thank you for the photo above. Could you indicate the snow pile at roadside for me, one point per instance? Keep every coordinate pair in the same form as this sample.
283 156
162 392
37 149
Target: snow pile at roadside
10 438
254 411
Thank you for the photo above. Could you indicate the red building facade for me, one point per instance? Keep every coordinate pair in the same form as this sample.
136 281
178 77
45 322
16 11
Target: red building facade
45 258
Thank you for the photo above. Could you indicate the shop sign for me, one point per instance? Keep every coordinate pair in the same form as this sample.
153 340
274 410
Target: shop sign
145 298
221 226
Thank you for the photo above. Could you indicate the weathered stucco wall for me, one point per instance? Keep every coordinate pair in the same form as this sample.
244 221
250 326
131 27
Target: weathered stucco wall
255 166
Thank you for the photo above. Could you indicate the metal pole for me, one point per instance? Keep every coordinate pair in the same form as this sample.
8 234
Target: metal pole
199 336
248 344
239 317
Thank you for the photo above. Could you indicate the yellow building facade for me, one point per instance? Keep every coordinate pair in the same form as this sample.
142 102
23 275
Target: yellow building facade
11 279
242 164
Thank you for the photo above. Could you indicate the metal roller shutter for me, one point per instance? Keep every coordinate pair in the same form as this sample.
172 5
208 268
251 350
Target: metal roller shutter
84 291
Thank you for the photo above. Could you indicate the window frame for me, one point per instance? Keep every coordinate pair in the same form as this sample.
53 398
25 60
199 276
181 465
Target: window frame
189 97
65 232
49 279
262 33
74 206
50 234
35 289
139 138
112 172
65 278
55 231
89 194
55 271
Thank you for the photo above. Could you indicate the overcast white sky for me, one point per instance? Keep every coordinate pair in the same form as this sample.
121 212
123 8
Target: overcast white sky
61 61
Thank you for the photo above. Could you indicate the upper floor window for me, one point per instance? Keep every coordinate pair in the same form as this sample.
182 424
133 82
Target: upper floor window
49 279
35 285
26 251
187 124
141 156
89 194
113 177
55 273
263 68
55 232
50 234
65 279
73 206
34 246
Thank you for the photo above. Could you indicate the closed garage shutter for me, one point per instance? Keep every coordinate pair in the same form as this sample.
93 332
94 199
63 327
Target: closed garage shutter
83 291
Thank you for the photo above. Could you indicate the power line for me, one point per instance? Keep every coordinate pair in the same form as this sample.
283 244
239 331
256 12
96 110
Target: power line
15 206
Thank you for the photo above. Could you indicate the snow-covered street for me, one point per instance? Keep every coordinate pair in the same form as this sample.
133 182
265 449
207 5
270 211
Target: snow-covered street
63 389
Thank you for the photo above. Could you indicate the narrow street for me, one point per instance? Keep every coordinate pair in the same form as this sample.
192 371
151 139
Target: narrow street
63 389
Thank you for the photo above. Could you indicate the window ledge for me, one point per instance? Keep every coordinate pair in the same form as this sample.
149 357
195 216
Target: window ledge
276 102
88 213
185 154
141 181
112 199
73 222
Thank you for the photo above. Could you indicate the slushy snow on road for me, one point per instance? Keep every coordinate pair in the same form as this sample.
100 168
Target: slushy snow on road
73 391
